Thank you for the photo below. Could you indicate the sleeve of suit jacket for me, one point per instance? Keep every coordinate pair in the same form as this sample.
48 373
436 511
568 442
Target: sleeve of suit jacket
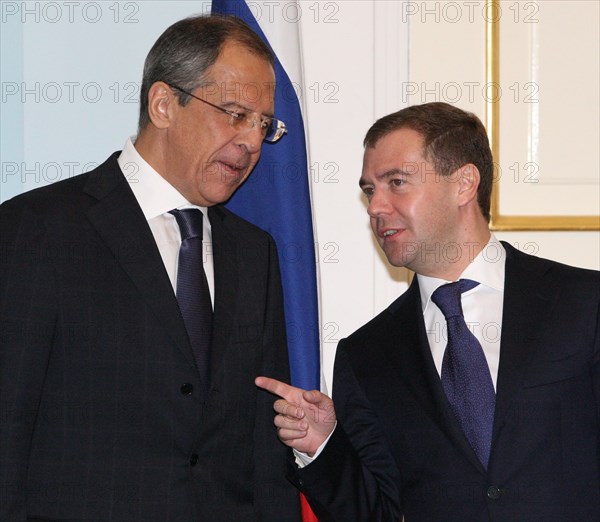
355 477
27 294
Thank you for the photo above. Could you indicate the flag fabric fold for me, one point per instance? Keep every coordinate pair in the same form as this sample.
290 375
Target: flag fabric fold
276 197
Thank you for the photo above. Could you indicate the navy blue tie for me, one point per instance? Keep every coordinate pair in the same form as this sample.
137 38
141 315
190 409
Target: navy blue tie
466 376
193 294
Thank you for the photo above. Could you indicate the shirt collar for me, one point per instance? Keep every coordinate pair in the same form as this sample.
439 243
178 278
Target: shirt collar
487 269
154 194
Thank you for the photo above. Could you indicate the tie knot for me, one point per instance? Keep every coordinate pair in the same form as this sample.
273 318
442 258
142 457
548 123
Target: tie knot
447 297
189 221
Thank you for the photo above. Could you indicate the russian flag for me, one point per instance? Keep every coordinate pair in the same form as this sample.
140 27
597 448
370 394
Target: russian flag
276 197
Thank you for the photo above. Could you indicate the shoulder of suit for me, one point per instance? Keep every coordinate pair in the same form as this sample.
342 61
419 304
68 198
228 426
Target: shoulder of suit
548 268
34 213
58 196
406 303
554 277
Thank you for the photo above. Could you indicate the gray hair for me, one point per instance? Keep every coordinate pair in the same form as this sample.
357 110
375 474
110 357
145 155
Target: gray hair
183 53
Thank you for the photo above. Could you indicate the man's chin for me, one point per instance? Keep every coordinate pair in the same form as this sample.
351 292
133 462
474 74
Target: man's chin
398 259
224 196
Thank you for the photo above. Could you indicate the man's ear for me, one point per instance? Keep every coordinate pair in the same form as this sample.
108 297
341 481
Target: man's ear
160 101
468 179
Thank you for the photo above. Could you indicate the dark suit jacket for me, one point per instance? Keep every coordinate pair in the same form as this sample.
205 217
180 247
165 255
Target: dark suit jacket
397 449
101 412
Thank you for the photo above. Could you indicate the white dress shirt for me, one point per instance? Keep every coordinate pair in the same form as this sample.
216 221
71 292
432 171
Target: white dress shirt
156 197
482 306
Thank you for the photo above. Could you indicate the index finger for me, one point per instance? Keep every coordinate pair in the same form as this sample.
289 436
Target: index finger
276 387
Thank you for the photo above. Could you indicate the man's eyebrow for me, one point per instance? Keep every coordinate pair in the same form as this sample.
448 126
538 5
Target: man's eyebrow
234 105
237 105
383 175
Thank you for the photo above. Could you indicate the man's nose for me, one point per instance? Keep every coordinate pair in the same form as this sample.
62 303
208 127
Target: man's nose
378 204
251 137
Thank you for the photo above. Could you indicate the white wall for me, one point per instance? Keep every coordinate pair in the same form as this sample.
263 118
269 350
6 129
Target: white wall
365 55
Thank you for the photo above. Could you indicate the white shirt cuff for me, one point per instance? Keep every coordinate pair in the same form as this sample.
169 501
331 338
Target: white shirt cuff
303 460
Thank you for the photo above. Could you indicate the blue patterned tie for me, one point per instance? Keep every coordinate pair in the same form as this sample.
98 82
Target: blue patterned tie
193 294
466 376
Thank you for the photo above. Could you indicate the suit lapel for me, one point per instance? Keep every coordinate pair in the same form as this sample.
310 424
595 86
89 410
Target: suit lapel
406 341
524 304
417 369
226 261
119 221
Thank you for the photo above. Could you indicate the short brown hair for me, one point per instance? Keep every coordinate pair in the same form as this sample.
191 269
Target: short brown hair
452 138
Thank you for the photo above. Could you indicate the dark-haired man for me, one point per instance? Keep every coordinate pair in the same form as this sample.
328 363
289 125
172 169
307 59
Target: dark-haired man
128 351
476 395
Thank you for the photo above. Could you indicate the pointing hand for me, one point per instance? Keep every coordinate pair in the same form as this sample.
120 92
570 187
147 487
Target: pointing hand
304 418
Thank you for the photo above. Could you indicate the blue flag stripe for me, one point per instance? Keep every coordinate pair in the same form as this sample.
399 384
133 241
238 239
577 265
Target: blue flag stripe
276 198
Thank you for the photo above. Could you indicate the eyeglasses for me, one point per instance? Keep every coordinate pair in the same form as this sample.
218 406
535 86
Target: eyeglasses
272 129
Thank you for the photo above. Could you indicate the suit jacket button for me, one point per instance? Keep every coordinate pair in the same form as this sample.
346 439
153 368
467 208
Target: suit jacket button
494 493
186 388
193 459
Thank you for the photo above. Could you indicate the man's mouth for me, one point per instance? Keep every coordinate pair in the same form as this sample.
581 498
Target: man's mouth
389 232
236 169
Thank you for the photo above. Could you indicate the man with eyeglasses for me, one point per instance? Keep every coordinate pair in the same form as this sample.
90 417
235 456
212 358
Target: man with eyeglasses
136 310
